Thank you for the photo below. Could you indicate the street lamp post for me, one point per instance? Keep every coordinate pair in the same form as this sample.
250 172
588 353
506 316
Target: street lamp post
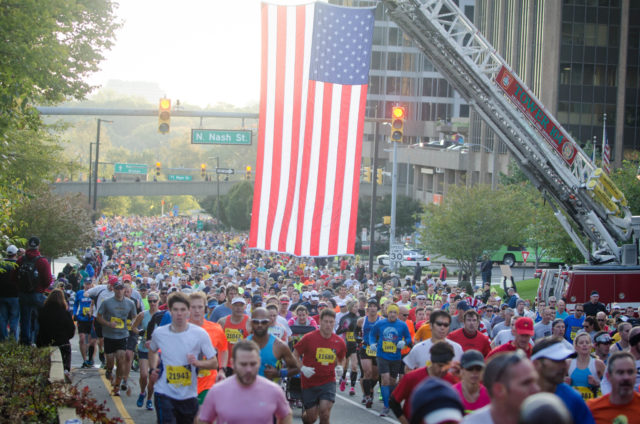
90 173
95 176
217 158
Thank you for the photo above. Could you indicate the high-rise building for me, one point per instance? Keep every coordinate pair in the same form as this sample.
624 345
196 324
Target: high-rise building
580 58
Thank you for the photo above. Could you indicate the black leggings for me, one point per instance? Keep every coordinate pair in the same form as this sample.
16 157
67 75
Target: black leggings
65 351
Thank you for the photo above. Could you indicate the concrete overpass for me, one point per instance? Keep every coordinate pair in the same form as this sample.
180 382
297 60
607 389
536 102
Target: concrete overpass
177 188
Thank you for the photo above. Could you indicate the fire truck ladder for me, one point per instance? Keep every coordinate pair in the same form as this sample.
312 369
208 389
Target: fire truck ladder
566 176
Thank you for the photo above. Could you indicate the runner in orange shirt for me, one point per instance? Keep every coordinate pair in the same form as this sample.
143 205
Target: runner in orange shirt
207 378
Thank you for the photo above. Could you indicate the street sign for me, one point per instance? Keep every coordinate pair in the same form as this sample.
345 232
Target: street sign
396 253
130 168
180 178
242 137
228 171
525 256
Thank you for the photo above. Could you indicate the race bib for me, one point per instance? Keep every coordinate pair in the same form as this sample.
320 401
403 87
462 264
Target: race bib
389 347
351 337
233 335
370 351
119 323
585 392
178 375
325 356
86 310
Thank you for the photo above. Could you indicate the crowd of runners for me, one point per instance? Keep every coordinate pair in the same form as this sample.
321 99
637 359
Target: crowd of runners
212 327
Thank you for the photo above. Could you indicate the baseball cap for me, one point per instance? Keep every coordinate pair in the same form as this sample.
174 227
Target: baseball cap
126 277
33 242
472 358
112 280
555 352
520 301
462 305
12 250
256 299
118 284
524 325
435 401
595 293
238 300
370 282
372 300
421 297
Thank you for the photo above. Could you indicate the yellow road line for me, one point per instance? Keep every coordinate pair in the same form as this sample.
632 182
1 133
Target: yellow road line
116 400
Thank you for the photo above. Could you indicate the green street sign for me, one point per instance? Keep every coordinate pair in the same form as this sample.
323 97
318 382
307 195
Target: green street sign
130 168
242 137
180 178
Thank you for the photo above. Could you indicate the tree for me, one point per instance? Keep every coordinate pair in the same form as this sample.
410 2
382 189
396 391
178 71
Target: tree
625 178
63 223
238 205
48 50
469 221
408 212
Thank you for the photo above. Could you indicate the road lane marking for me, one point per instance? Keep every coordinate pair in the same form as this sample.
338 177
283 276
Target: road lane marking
116 400
371 411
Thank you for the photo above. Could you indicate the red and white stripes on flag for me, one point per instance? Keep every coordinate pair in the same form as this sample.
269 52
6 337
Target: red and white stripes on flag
305 198
606 152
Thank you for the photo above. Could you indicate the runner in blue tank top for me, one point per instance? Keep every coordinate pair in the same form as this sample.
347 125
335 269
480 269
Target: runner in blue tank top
274 353
389 336
367 356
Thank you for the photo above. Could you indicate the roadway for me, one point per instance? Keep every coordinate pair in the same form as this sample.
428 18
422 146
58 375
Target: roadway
346 409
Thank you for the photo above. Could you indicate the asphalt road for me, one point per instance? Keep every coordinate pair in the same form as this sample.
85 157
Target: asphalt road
347 409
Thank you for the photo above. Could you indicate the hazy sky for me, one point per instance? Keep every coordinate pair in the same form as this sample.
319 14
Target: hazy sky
199 51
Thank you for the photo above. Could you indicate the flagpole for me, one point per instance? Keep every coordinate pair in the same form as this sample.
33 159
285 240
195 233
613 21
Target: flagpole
595 150
604 135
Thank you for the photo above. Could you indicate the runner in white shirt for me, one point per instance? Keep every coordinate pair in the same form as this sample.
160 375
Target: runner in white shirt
420 354
181 344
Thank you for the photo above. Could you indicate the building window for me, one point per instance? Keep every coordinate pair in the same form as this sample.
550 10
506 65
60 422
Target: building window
376 60
464 111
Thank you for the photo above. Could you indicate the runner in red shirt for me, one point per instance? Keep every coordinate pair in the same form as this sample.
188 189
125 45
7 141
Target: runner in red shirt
524 331
323 356
441 357
468 336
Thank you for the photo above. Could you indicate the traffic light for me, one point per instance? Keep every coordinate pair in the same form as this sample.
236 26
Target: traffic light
397 123
248 173
367 174
164 115
203 170
158 169
379 176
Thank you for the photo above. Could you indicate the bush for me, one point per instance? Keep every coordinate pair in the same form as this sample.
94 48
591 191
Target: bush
27 396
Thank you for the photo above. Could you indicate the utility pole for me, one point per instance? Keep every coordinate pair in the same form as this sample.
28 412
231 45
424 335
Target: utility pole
90 173
394 186
374 167
95 176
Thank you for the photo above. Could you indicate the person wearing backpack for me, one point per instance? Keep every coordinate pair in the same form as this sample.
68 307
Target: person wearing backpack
33 277
9 304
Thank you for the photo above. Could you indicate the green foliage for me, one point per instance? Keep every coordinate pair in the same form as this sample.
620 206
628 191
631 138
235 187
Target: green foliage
28 397
48 50
63 223
408 213
469 221
625 179
238 205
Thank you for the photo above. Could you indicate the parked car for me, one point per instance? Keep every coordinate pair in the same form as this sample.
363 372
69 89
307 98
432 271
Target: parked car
409 258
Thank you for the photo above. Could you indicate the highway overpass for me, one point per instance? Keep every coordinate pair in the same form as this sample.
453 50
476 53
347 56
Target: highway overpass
177 188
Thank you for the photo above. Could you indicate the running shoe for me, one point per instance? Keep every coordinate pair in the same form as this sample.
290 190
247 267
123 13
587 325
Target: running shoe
364 399
90 362
343 384
149 405
352 392
85 364
115 392
108 374
369 403
123 385
140 400
384 412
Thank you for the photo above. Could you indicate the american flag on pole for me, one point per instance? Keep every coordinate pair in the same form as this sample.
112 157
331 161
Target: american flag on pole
315 70
606 152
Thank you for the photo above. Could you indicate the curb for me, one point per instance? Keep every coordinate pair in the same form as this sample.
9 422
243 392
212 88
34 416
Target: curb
56 374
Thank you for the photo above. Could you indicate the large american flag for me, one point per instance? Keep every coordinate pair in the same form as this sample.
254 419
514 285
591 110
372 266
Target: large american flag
315 69
606 152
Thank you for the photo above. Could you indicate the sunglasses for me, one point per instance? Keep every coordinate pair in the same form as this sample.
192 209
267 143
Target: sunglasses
441 324
405 315
153 301
260 321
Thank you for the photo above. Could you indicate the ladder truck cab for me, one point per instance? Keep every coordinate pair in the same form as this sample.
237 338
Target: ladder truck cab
579 192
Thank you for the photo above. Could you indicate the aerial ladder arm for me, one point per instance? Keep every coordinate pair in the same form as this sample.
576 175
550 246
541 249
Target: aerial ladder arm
546 153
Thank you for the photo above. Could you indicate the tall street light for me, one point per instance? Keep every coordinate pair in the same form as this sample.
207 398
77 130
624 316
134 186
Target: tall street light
95 176
90 173
217 158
